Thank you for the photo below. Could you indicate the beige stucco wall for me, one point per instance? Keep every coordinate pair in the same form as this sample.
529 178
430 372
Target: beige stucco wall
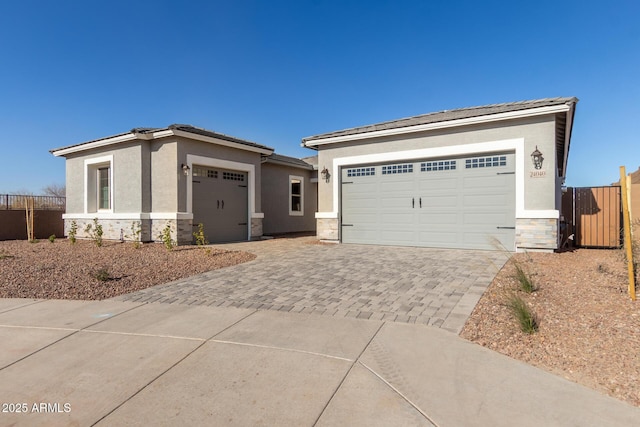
540 193
127 178
165 177
275 199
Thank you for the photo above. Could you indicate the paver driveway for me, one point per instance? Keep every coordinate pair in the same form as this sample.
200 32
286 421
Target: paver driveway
438 287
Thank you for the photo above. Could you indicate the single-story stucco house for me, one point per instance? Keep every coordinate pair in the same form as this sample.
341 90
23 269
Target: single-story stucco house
486 177
464 178
181 176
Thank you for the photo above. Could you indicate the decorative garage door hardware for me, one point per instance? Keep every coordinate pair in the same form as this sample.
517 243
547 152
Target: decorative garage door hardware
220 204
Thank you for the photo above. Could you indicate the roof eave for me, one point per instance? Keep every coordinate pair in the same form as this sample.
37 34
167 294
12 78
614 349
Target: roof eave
313 142
161 133
290 164
131 136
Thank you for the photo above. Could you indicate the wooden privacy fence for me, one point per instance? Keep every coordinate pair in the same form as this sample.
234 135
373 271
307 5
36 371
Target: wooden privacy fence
593 216
33 217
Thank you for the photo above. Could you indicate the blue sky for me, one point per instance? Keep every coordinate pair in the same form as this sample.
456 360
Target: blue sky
276 71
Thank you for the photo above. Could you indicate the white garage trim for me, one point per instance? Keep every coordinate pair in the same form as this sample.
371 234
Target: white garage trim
516 145
249 168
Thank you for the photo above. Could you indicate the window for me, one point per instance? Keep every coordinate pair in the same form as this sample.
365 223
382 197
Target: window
232 176
485 162
392 169
98 184
104 193
361 171
296 195
201 171
441 165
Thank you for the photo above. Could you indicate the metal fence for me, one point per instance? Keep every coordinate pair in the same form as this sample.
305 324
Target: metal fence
18 201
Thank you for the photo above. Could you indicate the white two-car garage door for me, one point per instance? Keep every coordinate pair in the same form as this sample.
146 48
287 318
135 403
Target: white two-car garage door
464 202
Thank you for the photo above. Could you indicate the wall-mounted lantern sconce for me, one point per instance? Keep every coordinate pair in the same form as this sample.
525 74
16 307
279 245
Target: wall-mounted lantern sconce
185 169
325 175
537 158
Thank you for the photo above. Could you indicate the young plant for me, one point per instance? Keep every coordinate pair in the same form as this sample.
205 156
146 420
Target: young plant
101 274
201 240
136 230
95 232
165 236
4 254
524 279
52 238
73 231
521 311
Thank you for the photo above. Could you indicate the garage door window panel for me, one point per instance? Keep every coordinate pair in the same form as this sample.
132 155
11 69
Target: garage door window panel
396 169
440 165
485 162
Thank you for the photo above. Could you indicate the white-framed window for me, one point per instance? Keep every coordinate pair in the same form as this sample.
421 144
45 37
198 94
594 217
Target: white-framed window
104 188
98 195
296 195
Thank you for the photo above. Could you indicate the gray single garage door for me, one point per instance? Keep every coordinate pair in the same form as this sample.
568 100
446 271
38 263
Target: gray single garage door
220 203
465 202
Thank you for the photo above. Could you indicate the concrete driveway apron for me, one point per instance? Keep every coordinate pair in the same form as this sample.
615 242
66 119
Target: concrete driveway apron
436 287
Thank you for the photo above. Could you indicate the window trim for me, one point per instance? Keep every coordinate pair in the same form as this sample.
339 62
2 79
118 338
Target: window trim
291 195
92 183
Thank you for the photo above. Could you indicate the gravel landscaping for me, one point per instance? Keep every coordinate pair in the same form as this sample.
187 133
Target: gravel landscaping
589 329
61 270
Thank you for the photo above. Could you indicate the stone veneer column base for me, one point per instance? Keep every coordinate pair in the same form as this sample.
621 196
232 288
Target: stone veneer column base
327 229
112 229
537 234
123 229
256 228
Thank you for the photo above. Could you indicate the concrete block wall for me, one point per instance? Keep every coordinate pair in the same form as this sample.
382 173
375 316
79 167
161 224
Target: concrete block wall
327 228
537 234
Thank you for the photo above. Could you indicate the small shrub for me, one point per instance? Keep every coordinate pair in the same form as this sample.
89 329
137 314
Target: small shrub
52 238
526 319
34 241
524 279
165 236
4 254
136 230
201 240
73 231
101 274
95 232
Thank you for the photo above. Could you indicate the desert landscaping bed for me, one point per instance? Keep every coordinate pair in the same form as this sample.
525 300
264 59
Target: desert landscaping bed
589 329
61 270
